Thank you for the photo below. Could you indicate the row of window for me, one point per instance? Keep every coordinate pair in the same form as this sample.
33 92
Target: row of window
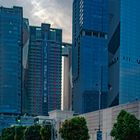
94 34
125 58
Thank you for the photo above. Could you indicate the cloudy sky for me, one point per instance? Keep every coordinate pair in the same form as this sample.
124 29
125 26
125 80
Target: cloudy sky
56 12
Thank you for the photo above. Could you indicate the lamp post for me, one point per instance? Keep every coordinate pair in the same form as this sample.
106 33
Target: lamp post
99 109
100 94
99 132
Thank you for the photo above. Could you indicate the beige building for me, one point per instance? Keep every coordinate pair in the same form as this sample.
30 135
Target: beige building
66 77
107 118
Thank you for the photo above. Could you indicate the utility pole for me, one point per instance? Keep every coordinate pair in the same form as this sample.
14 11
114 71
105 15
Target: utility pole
99 132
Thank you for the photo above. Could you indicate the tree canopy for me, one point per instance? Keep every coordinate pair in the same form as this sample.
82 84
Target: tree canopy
19 134
127 127
8 133
46 132
34 132
13 133
74 129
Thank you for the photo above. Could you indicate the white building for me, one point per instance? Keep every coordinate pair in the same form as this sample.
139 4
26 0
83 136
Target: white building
107 118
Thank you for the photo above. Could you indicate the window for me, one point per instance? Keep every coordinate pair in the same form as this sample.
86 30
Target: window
95 34
88 33
102 35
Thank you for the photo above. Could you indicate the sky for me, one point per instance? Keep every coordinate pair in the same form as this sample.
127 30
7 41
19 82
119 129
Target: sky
56 12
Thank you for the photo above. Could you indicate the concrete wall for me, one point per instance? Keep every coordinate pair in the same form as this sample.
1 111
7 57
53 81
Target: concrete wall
107 118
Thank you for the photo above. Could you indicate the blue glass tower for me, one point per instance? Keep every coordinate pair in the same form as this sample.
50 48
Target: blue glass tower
26 37
89 54
11 20
124 51
44 70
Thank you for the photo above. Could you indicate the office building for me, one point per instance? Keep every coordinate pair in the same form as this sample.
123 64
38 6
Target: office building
11 21
26 36
67 77
124 51
44 70
89 54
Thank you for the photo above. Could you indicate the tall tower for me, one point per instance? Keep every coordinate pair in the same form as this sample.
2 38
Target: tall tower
124 51
89 54
11 21
26 37
67 77
44 70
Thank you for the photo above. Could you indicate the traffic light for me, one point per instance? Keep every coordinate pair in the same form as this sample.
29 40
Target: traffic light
99 135
18 119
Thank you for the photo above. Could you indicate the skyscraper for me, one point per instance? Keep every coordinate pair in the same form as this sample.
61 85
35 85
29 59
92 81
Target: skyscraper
124 51
11 21
26 37
44 70
67 77
89 54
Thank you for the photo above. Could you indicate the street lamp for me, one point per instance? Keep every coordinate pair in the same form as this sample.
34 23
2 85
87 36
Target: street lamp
99 132
18 121
99 108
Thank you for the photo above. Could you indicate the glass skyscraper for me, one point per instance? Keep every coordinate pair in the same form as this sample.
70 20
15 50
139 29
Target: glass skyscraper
11 21
124 51
89 54
44 70
26 37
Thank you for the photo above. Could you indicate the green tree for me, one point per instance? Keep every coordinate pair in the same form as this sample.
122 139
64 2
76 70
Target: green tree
19 132
13 133
45 132
8 133
74 129
127 127
33 133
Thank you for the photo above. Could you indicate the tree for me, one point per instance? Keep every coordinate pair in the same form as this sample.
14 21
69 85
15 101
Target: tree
45 132
127 127
33 133
19 132
74 129
13 133
8 133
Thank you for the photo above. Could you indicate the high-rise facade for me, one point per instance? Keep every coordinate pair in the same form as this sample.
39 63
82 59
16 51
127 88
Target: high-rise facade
67 76
26 37
11 21
89 54
44 70
124 51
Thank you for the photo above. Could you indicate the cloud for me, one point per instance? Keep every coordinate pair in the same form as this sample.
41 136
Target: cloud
56 12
